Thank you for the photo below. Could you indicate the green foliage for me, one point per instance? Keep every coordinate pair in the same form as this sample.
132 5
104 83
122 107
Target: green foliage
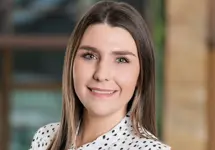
158 22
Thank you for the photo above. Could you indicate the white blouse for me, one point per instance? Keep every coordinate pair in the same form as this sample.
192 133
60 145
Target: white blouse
121 137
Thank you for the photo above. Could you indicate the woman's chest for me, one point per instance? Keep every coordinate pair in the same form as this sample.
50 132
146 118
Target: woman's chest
119 144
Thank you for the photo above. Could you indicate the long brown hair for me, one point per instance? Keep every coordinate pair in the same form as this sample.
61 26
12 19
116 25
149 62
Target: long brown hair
142 105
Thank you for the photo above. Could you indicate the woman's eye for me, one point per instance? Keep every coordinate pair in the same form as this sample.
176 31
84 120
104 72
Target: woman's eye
122 60
88 56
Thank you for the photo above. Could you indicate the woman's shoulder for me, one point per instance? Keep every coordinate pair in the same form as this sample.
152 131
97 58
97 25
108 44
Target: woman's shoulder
150 141
152 144
44 136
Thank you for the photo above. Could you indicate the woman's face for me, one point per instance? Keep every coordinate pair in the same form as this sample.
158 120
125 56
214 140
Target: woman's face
106 69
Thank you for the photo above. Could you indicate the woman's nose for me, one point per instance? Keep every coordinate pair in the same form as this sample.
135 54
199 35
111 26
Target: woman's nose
102 72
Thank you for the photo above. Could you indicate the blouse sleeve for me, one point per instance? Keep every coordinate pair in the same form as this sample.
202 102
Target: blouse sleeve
43 137
155 146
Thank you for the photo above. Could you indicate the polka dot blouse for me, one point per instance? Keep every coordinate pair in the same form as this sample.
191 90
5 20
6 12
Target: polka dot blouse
121 137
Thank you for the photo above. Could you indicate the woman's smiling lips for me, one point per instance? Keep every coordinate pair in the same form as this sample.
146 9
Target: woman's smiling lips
99 92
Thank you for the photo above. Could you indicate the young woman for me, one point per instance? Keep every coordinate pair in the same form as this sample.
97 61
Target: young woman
108 85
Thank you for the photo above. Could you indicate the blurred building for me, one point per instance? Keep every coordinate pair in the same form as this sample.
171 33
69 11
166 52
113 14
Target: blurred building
190 74
33 38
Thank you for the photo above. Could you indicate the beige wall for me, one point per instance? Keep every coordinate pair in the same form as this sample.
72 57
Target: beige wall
186 74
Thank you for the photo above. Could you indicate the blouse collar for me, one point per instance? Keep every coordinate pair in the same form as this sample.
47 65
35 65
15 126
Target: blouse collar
124 127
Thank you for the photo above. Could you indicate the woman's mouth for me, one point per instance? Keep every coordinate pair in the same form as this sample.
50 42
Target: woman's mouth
101 92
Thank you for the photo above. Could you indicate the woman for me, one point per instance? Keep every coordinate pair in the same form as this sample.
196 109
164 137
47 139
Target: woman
108 85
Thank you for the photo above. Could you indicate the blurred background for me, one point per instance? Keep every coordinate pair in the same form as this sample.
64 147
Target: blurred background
33 38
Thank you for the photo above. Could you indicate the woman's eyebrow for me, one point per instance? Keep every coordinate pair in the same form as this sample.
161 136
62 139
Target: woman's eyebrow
89 48
125 52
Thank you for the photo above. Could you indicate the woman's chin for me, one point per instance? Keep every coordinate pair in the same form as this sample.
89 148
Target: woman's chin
100 112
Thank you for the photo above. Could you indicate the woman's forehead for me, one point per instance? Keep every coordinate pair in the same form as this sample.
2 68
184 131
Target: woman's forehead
104 36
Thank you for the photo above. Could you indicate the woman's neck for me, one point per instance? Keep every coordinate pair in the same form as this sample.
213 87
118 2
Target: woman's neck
94 126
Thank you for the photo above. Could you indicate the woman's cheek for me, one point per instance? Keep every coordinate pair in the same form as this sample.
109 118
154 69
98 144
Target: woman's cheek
127 77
